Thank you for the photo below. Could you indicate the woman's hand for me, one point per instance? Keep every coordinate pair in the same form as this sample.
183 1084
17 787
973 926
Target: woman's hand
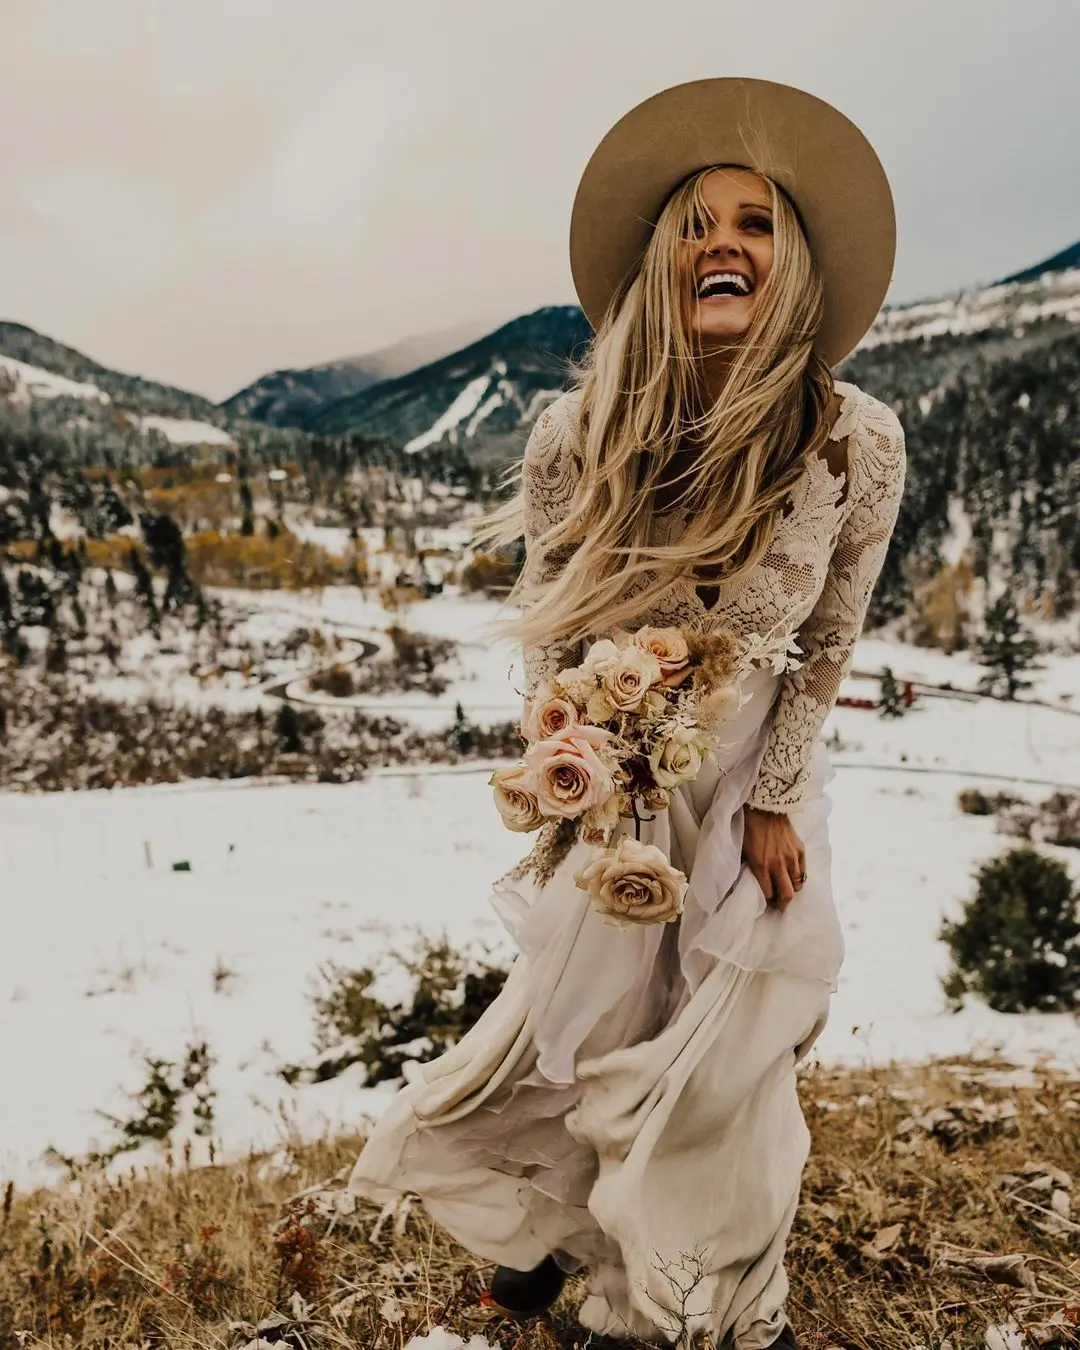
775 854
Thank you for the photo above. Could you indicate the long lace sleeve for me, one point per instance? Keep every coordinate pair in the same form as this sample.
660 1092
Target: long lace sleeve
549 472
828 635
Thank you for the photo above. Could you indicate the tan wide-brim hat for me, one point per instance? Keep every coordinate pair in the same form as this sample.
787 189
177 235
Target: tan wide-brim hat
821 159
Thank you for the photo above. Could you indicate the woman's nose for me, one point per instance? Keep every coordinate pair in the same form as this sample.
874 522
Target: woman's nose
720 240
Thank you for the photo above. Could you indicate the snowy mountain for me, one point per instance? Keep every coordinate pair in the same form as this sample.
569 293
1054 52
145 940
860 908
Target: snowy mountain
93 414
486 395
482 396
293 398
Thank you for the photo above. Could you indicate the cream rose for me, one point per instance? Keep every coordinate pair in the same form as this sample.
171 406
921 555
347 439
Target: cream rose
515 799
677 757
566 773
548 715
670 648
633 884
628 679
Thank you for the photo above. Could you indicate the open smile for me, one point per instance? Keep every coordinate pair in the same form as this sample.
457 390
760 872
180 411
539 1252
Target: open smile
724 286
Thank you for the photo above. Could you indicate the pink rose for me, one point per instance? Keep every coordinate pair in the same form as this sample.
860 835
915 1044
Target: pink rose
566 773
548 715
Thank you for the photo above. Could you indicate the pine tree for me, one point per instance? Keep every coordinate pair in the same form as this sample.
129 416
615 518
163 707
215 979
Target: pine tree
144 590
56 659
1017 944
247 509
462 736
1007 650
891 702
36 606
110 587
287 730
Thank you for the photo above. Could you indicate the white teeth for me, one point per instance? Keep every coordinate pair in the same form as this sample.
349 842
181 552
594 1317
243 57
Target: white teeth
714 278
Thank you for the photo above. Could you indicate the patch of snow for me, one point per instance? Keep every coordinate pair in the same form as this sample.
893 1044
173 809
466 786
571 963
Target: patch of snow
36 382
1007 307
186 431
466 403
485 409
441 1339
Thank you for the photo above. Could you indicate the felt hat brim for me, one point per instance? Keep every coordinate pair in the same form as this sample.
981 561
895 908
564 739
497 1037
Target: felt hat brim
821 159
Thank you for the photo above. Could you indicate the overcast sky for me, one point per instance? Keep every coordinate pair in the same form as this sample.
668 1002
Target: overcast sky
204 190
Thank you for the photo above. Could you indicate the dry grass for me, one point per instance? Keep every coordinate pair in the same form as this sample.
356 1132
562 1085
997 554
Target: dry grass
885 1251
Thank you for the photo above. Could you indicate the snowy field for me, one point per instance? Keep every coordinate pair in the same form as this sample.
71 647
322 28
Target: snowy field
109 954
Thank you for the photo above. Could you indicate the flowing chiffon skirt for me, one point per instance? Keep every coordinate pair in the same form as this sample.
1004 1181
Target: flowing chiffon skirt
628 1102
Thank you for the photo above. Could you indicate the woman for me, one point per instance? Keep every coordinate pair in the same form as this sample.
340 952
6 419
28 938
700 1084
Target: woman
628 1104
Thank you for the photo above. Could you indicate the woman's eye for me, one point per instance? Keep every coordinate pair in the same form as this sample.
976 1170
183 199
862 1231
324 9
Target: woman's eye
757 223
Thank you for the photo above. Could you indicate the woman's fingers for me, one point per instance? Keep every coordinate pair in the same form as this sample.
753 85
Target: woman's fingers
784 889
761 876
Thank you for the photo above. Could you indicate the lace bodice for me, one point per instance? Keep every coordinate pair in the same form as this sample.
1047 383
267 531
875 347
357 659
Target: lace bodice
813 584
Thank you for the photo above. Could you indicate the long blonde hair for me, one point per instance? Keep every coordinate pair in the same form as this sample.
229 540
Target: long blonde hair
641 399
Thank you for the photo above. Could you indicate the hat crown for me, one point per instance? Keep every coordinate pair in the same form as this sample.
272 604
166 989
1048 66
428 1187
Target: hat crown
810 149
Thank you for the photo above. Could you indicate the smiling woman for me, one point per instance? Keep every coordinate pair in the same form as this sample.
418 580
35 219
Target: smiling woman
627 1104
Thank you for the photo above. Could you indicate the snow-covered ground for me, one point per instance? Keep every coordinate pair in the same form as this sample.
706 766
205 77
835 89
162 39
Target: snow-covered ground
108 953
186 430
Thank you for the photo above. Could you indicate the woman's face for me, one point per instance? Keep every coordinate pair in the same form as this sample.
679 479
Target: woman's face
731 255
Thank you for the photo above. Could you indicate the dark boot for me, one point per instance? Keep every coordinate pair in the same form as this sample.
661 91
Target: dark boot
786 1340
526 1293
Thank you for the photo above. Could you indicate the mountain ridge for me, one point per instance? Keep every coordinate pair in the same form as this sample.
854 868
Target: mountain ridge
292 396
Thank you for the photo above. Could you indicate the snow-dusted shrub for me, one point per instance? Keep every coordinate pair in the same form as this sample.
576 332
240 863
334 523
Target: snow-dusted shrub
354 1024
1017 944
975 802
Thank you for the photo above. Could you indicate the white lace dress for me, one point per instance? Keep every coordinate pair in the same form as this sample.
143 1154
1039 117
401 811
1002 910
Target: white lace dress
628 1102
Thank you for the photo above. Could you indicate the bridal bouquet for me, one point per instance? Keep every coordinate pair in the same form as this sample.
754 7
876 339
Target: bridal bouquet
609 740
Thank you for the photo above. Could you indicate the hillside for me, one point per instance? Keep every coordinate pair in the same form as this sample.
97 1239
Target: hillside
24 344
905 1236
88 414
484 394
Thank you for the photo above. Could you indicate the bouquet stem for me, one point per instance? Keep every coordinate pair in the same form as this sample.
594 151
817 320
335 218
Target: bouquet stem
639 819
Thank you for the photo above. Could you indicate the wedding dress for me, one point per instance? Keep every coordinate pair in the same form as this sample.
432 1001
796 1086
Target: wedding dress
628 1102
